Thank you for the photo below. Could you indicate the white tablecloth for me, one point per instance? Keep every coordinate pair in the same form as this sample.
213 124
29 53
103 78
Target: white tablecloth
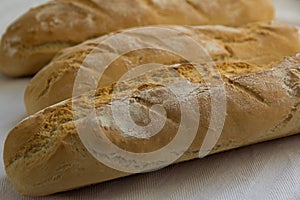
269 170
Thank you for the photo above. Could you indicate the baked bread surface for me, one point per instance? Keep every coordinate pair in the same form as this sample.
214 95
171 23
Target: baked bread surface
44 154
259 44
33 39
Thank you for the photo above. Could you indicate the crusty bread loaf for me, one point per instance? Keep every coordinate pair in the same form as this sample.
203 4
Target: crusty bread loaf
258 43
44 154
32 41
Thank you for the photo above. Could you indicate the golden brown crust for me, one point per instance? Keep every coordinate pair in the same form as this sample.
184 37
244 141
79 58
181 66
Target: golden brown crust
32 41
256 44
261 105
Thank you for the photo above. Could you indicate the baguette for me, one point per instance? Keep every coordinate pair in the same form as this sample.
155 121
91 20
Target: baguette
32 40
44 153
258 43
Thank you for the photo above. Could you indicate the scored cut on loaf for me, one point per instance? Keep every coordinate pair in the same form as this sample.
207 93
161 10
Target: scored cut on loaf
44 154
33 39
258 43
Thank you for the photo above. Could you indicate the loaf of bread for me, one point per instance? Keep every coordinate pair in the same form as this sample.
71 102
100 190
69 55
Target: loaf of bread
44 154
32 40
258 43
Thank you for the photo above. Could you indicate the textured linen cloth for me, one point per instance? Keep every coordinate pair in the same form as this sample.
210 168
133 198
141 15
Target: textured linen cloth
269 170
